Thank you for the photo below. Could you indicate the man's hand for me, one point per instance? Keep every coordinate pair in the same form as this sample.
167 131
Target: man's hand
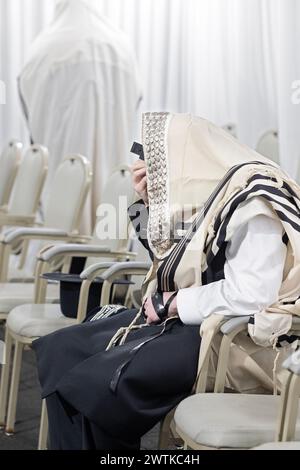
150 313
140 179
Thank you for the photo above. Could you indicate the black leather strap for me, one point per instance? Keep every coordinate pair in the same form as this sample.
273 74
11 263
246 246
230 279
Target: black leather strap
160 308
169 301
138 149
158 304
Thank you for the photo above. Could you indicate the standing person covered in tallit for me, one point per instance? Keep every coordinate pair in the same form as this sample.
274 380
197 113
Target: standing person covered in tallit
224 236
80 92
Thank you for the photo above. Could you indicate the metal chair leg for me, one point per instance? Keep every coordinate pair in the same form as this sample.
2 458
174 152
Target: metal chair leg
4 385
165 431
43 436
291 411
14 389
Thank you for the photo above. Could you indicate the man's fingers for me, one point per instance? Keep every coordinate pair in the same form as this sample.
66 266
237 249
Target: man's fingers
138 165
138 175
141 186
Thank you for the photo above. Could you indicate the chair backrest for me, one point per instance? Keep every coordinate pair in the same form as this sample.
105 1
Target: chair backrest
112 225
9 162
268 146
69 189
29 182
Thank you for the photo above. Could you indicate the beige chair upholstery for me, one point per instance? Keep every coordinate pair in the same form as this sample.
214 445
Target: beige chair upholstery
221 420
34 320
118 195
24 199
268 145
29 182
14 294
9 162
68 193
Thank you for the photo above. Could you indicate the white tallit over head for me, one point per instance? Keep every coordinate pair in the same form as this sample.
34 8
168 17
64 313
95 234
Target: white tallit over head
186 157
81 88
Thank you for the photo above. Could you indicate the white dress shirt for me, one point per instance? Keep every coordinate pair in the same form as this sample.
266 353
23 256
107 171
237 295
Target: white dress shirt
253 272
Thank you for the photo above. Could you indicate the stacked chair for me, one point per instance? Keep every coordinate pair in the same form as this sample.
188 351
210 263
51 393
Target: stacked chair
27 322
25 179
238 421
268 145
22 206
70 184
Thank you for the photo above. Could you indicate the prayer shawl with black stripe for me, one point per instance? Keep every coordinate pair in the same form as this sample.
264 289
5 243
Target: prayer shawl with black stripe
199 180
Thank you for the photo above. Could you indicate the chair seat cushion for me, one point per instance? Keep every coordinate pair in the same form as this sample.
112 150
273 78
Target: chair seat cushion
35 320
279 446
13 294
224 420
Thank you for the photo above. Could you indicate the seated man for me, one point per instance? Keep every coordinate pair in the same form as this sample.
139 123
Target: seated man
222 232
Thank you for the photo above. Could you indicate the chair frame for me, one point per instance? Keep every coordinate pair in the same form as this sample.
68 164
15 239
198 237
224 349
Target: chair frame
291 386
25 234
18 146
19 220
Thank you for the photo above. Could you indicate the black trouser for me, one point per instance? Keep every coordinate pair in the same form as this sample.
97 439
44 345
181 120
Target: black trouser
76 375
67 432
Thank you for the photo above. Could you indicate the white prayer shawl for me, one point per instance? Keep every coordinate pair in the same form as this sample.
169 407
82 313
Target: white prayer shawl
194 167
81 89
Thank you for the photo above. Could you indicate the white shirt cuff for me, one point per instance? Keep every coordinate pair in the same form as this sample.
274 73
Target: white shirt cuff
188 306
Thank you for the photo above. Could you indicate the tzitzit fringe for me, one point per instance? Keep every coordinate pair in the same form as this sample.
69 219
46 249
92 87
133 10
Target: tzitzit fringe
122 334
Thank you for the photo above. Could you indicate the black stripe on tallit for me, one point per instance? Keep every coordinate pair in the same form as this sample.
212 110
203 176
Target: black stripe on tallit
270 189
290 190
253 178
223 231
165 282
223 228
286 339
